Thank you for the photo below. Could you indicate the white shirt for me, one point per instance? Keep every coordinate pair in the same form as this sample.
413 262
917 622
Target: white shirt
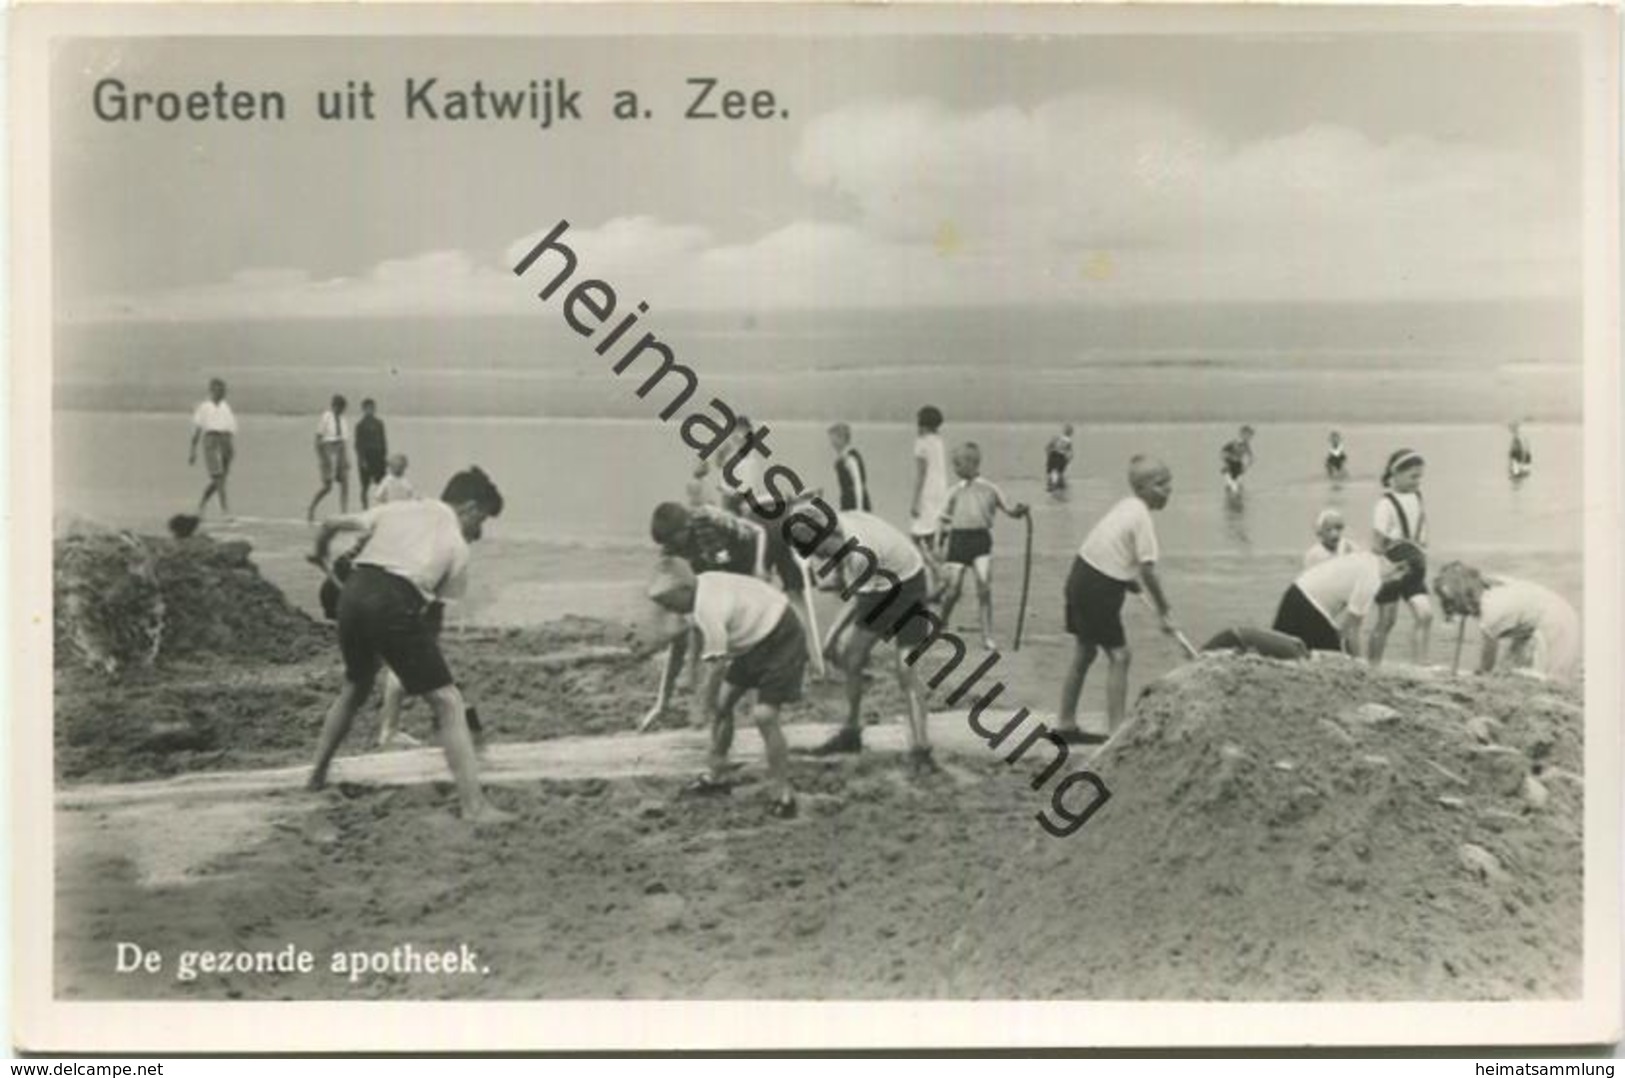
934 491
734 613
894 552
393 488
1517 608
330 428
1345 584
214 418
420 541
1318 553
1122 541
1386 522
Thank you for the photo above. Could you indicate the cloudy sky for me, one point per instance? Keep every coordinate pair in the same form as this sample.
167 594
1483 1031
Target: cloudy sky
925 171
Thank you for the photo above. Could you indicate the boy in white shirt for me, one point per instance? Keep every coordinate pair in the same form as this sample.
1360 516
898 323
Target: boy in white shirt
1399 516
216 427
416 555
749 625
890 602
1121 548
332 456
1332 542
1326 606
1542 629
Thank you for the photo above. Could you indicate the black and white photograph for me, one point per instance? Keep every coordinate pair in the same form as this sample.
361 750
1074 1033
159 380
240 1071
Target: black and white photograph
1066 512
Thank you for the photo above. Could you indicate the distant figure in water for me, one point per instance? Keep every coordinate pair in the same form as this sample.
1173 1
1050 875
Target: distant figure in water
1057 459
1542 629
1337 457
1519 458
1330 542
1235 458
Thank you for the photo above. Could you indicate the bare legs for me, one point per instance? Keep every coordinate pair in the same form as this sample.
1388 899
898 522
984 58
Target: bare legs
1083 656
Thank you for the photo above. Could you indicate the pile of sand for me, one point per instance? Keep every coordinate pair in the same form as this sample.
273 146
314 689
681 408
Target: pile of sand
1320 830
127 602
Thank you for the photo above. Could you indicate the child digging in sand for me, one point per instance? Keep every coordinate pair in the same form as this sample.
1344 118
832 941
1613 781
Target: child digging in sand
1543 630
1121 547
746 626
416 554
968 521
1399 516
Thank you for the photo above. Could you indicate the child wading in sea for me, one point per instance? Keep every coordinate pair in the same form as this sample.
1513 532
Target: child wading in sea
1121 548
1400 516
1519 458
1235 458
1057 458
748 630
1542 629
968 521
1337 457
1330 542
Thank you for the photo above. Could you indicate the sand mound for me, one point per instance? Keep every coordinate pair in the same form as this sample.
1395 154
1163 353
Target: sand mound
126 602
1297 830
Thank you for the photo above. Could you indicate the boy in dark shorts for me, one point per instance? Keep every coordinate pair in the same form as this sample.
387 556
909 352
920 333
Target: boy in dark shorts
747 631
968 526
1119 555
891 585
851 476
416 554
371 449
709 540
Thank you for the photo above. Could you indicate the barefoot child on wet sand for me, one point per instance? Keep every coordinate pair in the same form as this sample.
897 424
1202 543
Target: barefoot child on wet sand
968 522
1330 540
891 585
1121 548
1542 629
1400 516
416 554
1057 458
748 631
332 457
930 490
215 426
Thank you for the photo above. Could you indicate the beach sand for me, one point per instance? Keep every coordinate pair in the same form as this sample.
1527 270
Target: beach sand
1275 831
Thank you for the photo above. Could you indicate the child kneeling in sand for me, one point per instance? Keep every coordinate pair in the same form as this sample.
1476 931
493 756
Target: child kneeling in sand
748 624
416 554
968 520
1542 629
1120 548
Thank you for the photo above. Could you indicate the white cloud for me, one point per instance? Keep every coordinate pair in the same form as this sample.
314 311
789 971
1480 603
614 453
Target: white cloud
1087 197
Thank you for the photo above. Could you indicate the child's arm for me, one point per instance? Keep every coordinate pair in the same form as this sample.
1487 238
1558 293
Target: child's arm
1017 510
1153 587
330 528
676 652
197 433
1353 638
1488 654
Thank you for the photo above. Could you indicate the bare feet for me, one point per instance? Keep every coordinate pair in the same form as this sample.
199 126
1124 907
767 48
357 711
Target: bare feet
488 815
